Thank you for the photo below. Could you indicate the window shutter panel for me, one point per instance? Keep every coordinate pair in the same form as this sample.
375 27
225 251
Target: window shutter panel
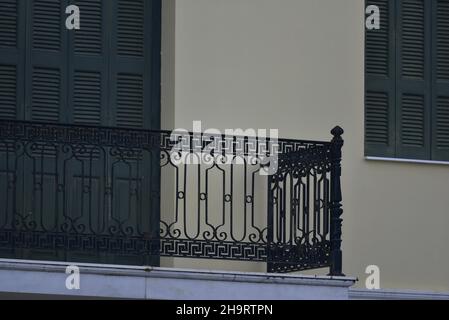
88 64
413 98
12 18
101 74
440 102
380 83
135 103
46 65
134 56
45 86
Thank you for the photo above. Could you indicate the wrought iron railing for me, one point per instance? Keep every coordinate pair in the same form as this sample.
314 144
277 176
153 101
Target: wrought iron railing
112 195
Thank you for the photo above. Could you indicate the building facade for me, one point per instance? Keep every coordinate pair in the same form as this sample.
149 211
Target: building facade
293 65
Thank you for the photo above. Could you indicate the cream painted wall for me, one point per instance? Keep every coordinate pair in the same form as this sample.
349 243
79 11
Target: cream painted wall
297 65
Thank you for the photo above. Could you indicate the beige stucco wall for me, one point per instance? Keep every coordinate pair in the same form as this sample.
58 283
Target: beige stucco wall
297 65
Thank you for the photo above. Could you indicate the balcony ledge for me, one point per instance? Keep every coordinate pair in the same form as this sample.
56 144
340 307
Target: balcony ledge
44 279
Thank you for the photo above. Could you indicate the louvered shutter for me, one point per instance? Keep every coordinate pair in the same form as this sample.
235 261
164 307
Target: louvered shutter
12 29
106 73
134 103
45 69
413 85
440 103
135 63
12 18
46 62
88 64
380 84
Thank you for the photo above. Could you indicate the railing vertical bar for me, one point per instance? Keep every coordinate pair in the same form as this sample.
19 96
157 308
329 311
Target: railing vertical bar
315 205
306 208
292 210
270 230
56 179
283 221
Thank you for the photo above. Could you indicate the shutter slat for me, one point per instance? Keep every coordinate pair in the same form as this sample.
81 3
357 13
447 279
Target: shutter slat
47 25
129 100
442 46
8 91
412 40
46 98
377 43
130 28
87 98
377 127
88 39
442 123
412 121
8 23
440 84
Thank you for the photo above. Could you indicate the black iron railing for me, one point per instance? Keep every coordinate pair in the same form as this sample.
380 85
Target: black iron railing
112 195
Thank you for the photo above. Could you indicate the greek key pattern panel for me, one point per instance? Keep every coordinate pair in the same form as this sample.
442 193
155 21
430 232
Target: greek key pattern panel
139 138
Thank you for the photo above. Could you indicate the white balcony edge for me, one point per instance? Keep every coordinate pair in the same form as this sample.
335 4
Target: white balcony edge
130 282
390 294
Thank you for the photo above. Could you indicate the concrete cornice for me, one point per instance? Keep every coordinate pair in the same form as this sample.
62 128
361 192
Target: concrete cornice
117 281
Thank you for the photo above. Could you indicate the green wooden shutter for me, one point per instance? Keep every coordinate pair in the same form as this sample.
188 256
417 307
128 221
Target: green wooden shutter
134 100
12 29
413 85
88 64
135 55
12 19
440 103
45 69
46 62
380 84
106 73
127 70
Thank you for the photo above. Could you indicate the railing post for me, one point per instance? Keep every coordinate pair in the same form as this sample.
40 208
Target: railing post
335 203
270 227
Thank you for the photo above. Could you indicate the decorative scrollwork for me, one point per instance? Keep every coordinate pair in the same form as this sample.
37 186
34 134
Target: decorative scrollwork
157 193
